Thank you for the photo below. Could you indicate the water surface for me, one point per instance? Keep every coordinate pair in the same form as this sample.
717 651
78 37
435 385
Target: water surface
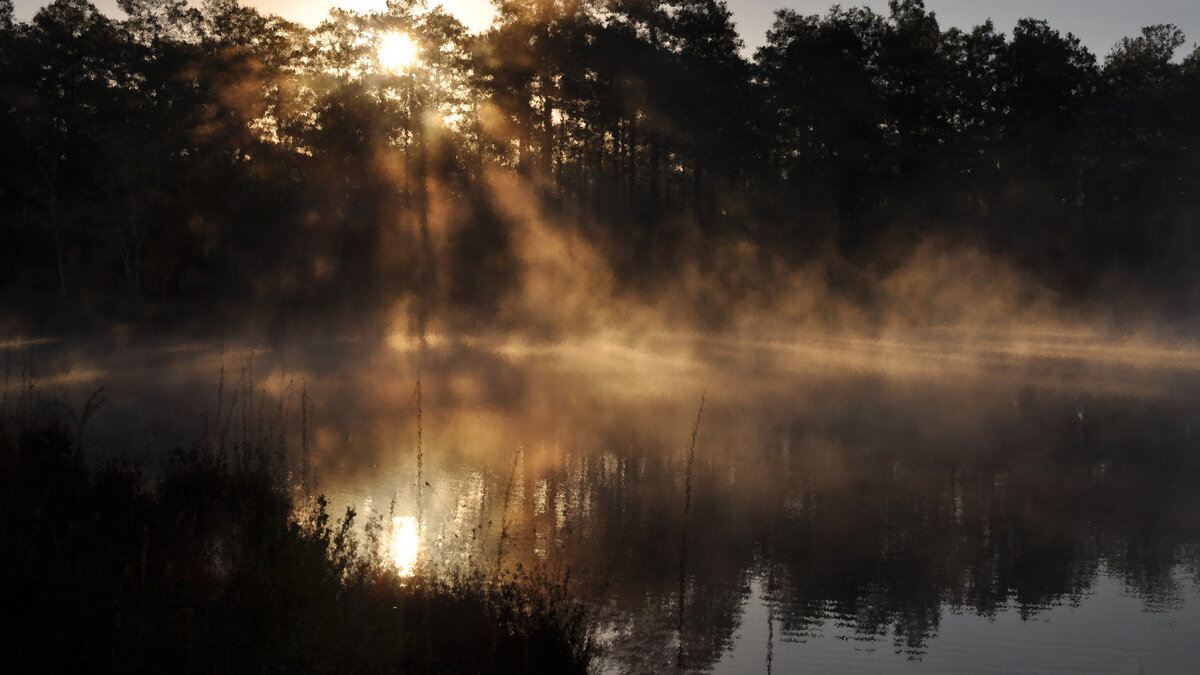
935 501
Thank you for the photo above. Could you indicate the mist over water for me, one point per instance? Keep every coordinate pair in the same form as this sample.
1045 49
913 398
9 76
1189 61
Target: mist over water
910 492
898 466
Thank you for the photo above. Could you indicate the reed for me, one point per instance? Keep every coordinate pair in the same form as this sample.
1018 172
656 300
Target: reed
420 456
512 475
212 568
687 504
770 604
306 485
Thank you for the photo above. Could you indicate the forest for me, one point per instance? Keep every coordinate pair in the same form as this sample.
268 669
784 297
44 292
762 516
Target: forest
211 164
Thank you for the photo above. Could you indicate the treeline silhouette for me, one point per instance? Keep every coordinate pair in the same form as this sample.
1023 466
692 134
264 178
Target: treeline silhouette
230 159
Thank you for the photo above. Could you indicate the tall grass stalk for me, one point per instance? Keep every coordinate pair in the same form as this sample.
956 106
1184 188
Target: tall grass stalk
420 456
80 420
245 392
7 374
233 404
512 475
770 604
305 460
687 504
285 400
27 386
220 401
420 485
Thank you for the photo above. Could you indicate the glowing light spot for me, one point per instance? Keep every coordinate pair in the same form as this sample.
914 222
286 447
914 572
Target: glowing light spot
404 544
397 51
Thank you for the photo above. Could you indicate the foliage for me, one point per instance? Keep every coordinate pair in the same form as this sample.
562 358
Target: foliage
224 160
213 570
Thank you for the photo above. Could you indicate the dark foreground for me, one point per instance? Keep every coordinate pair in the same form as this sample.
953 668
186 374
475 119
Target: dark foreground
213 569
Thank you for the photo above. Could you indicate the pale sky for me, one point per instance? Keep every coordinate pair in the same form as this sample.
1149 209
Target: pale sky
1100 23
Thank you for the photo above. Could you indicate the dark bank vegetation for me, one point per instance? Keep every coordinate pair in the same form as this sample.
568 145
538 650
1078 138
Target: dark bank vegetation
211 567
200 161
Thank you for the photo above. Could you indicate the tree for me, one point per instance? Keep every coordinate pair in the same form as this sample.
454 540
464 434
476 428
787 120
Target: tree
153 22
976 89
711 99
75 51
1144 135
1050 77
534 50
819 77
915 73
1145 60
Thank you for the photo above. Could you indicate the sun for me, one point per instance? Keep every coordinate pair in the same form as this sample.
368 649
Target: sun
397 51
404 544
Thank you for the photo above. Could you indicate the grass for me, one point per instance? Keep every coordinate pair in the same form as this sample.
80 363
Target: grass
216 566
683 542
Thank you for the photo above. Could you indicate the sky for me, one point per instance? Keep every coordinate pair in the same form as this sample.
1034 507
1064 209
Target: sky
1099 23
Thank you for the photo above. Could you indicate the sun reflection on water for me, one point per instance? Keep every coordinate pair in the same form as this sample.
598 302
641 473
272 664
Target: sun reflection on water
404 544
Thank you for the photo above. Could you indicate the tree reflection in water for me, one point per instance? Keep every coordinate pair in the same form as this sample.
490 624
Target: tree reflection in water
863 504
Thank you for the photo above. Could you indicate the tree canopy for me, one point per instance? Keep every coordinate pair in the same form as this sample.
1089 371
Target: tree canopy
214 154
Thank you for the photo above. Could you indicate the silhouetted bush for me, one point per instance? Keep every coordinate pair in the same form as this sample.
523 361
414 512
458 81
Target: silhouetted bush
213 570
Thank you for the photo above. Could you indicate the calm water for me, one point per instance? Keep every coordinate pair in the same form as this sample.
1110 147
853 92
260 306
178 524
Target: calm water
939 501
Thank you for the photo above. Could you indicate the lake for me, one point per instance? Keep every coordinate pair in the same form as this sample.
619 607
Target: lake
933 500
